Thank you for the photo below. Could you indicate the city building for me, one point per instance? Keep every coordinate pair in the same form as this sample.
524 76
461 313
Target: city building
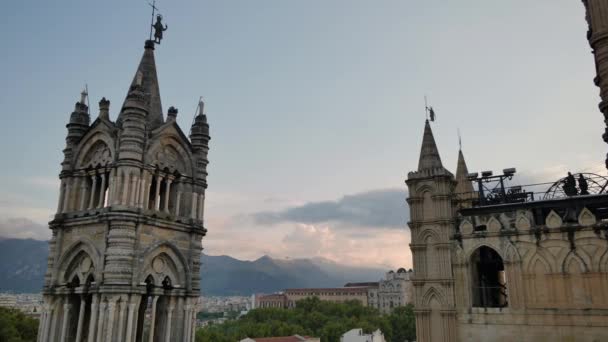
294 338
357 335
393 291
334 295
124 256
498 263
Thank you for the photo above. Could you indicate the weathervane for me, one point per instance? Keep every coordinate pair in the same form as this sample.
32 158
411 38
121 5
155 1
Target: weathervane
158 26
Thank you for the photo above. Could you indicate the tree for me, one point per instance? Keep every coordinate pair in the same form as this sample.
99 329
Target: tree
17 327
314 317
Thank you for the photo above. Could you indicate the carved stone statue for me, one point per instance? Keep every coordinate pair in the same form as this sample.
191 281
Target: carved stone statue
159 29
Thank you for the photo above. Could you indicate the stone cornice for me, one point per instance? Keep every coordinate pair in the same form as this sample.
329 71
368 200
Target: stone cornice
134 215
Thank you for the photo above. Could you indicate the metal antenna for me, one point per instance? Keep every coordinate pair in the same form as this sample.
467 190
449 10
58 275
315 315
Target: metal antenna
459 140
86 87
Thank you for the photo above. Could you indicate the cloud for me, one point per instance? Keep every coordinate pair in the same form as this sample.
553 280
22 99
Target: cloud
378 208
23 228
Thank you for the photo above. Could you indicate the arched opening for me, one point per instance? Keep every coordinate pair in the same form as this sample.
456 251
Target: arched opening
145 307
488 279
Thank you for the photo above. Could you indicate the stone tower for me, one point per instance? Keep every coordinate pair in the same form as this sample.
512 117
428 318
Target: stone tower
126 240
430 200
598 39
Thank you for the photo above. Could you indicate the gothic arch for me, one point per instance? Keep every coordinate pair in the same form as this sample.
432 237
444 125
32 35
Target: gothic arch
72 259
529 266
170 152
161 260
484 244
425 188
574 256
89 145
424 235
512 254
431 294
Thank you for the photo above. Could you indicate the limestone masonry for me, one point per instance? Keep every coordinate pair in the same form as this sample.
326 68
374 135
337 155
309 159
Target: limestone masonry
124 255
506 265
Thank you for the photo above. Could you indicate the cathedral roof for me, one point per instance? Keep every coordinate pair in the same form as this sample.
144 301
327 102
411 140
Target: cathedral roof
146 75
429 155
463 185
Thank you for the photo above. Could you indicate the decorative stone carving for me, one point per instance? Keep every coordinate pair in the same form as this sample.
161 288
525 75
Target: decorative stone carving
167 157
494 226
85 264
586 218
466 227
553 220
522 222
158 264
99 154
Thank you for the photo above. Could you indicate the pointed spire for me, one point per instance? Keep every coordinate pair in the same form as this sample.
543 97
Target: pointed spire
429 155
463 185
146 78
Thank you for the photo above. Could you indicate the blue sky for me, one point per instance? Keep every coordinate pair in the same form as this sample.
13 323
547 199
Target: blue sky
308 101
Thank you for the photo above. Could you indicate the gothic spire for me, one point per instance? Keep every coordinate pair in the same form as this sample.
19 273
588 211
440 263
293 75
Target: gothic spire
146 78
463 185
429 155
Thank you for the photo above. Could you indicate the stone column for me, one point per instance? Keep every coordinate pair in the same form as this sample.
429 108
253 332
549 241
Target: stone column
93 189
102 318
157 194
131 320
193 325
121 320
168 182
112 186
83 192
153 321
66 317
140 195
41 325
194 205
125 189
67 195
83 306
93 319
201 206
169 317
147 186
119 253
178 200
61 196
134 190
54 319
111 322
187 310
102 190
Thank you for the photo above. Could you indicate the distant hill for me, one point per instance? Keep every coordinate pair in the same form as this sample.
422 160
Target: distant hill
23 264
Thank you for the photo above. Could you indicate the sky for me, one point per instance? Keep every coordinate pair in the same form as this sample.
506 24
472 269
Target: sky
316 107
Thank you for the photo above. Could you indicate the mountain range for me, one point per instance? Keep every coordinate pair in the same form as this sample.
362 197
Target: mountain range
23 264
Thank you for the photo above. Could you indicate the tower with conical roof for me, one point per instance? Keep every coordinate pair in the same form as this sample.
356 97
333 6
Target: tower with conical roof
124 258
431 226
